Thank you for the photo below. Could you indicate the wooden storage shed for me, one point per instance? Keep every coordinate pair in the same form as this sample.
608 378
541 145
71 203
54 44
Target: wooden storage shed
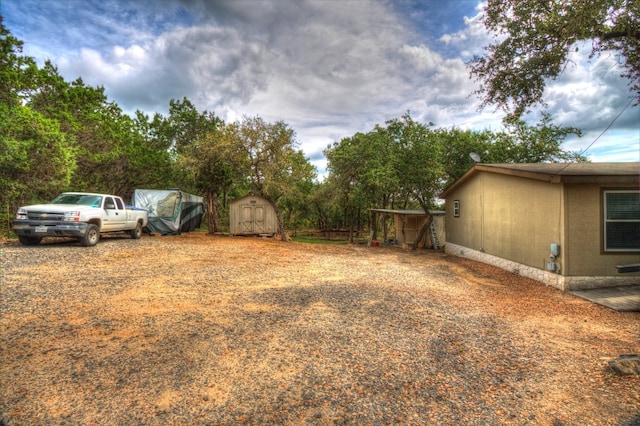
252 215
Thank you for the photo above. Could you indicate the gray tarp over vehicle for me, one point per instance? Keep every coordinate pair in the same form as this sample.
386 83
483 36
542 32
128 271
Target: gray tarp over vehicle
170 211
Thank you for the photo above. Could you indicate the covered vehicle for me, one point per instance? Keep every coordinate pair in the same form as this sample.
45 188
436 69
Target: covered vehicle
171 211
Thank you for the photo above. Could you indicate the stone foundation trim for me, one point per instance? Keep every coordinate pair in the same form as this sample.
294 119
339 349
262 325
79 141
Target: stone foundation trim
548 278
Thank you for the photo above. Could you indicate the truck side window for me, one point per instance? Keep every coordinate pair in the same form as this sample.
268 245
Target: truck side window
109 204
119 204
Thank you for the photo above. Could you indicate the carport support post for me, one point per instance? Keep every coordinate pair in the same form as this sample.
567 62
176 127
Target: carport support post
374 226
385 228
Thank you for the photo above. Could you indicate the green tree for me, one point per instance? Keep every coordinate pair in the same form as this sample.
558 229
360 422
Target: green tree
534 39
149 154
521 143
215 167
18 73
460 145
186 125
517 143
295 204
324 205
97 127
397 164
37 160
271 161
420 166
201 147
364 174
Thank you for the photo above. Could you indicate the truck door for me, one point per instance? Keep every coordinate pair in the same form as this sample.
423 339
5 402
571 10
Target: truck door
115 218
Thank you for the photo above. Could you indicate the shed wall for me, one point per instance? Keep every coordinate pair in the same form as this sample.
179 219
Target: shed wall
407 229
252 215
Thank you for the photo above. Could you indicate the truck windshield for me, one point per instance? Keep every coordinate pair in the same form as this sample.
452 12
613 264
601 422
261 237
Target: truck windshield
78 199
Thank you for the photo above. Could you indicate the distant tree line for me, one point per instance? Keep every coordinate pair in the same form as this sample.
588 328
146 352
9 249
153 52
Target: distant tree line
59 136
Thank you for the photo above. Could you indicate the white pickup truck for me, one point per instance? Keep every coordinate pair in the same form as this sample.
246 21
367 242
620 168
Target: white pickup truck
77 214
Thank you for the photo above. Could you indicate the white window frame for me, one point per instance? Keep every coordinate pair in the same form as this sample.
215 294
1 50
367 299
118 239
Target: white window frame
456 208
605 221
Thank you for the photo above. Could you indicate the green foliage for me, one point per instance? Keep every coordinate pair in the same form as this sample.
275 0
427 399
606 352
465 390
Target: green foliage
37 159
57 135
459 145
534 39
406 164
268 156
419 165
521 143
17 72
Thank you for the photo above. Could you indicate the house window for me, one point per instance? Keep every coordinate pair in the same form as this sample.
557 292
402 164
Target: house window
456 208
621 221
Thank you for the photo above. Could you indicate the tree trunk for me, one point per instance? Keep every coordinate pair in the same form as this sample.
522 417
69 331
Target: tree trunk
423 231
351 226
212 213
385 227
281 231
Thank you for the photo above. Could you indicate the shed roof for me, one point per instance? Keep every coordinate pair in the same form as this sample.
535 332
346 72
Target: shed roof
607 173
248 196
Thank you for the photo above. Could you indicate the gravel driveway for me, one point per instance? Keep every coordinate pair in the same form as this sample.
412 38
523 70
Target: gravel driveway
198 329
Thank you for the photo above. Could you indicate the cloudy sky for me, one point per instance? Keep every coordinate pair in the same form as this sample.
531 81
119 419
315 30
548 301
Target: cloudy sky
329 68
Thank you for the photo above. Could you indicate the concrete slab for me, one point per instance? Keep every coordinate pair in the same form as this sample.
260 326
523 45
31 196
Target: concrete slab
624 298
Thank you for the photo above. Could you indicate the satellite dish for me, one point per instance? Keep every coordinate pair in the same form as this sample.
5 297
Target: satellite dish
475 157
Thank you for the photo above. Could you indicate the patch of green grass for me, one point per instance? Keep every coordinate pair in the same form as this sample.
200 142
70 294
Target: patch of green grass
316 240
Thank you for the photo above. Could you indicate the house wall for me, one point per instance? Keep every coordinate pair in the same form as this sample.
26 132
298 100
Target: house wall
506 216
510 222
244 216
584 228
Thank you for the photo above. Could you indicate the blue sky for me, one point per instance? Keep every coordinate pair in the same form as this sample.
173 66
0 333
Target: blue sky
328 68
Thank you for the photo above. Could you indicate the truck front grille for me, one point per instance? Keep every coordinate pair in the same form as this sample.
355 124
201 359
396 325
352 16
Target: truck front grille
53 217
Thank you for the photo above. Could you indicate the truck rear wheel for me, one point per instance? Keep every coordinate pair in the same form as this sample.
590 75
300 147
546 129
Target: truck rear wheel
91 236
29 241
137 232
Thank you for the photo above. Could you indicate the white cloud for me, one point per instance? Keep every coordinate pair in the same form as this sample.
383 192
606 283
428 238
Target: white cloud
328 69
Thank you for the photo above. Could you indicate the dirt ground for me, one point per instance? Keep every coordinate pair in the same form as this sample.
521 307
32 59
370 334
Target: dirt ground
199 329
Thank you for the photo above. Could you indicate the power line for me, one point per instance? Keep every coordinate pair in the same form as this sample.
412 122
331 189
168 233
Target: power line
598 137
608 127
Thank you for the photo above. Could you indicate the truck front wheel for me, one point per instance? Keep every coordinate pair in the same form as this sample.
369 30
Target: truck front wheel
91 236
137 232
29 241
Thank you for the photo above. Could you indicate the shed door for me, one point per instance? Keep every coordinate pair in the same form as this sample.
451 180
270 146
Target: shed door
258 219
252 221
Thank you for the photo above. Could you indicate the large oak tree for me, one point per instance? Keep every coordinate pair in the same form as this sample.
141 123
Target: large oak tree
533 40
273 164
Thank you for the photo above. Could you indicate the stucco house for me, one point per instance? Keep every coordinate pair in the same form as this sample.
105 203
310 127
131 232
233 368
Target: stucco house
566 225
